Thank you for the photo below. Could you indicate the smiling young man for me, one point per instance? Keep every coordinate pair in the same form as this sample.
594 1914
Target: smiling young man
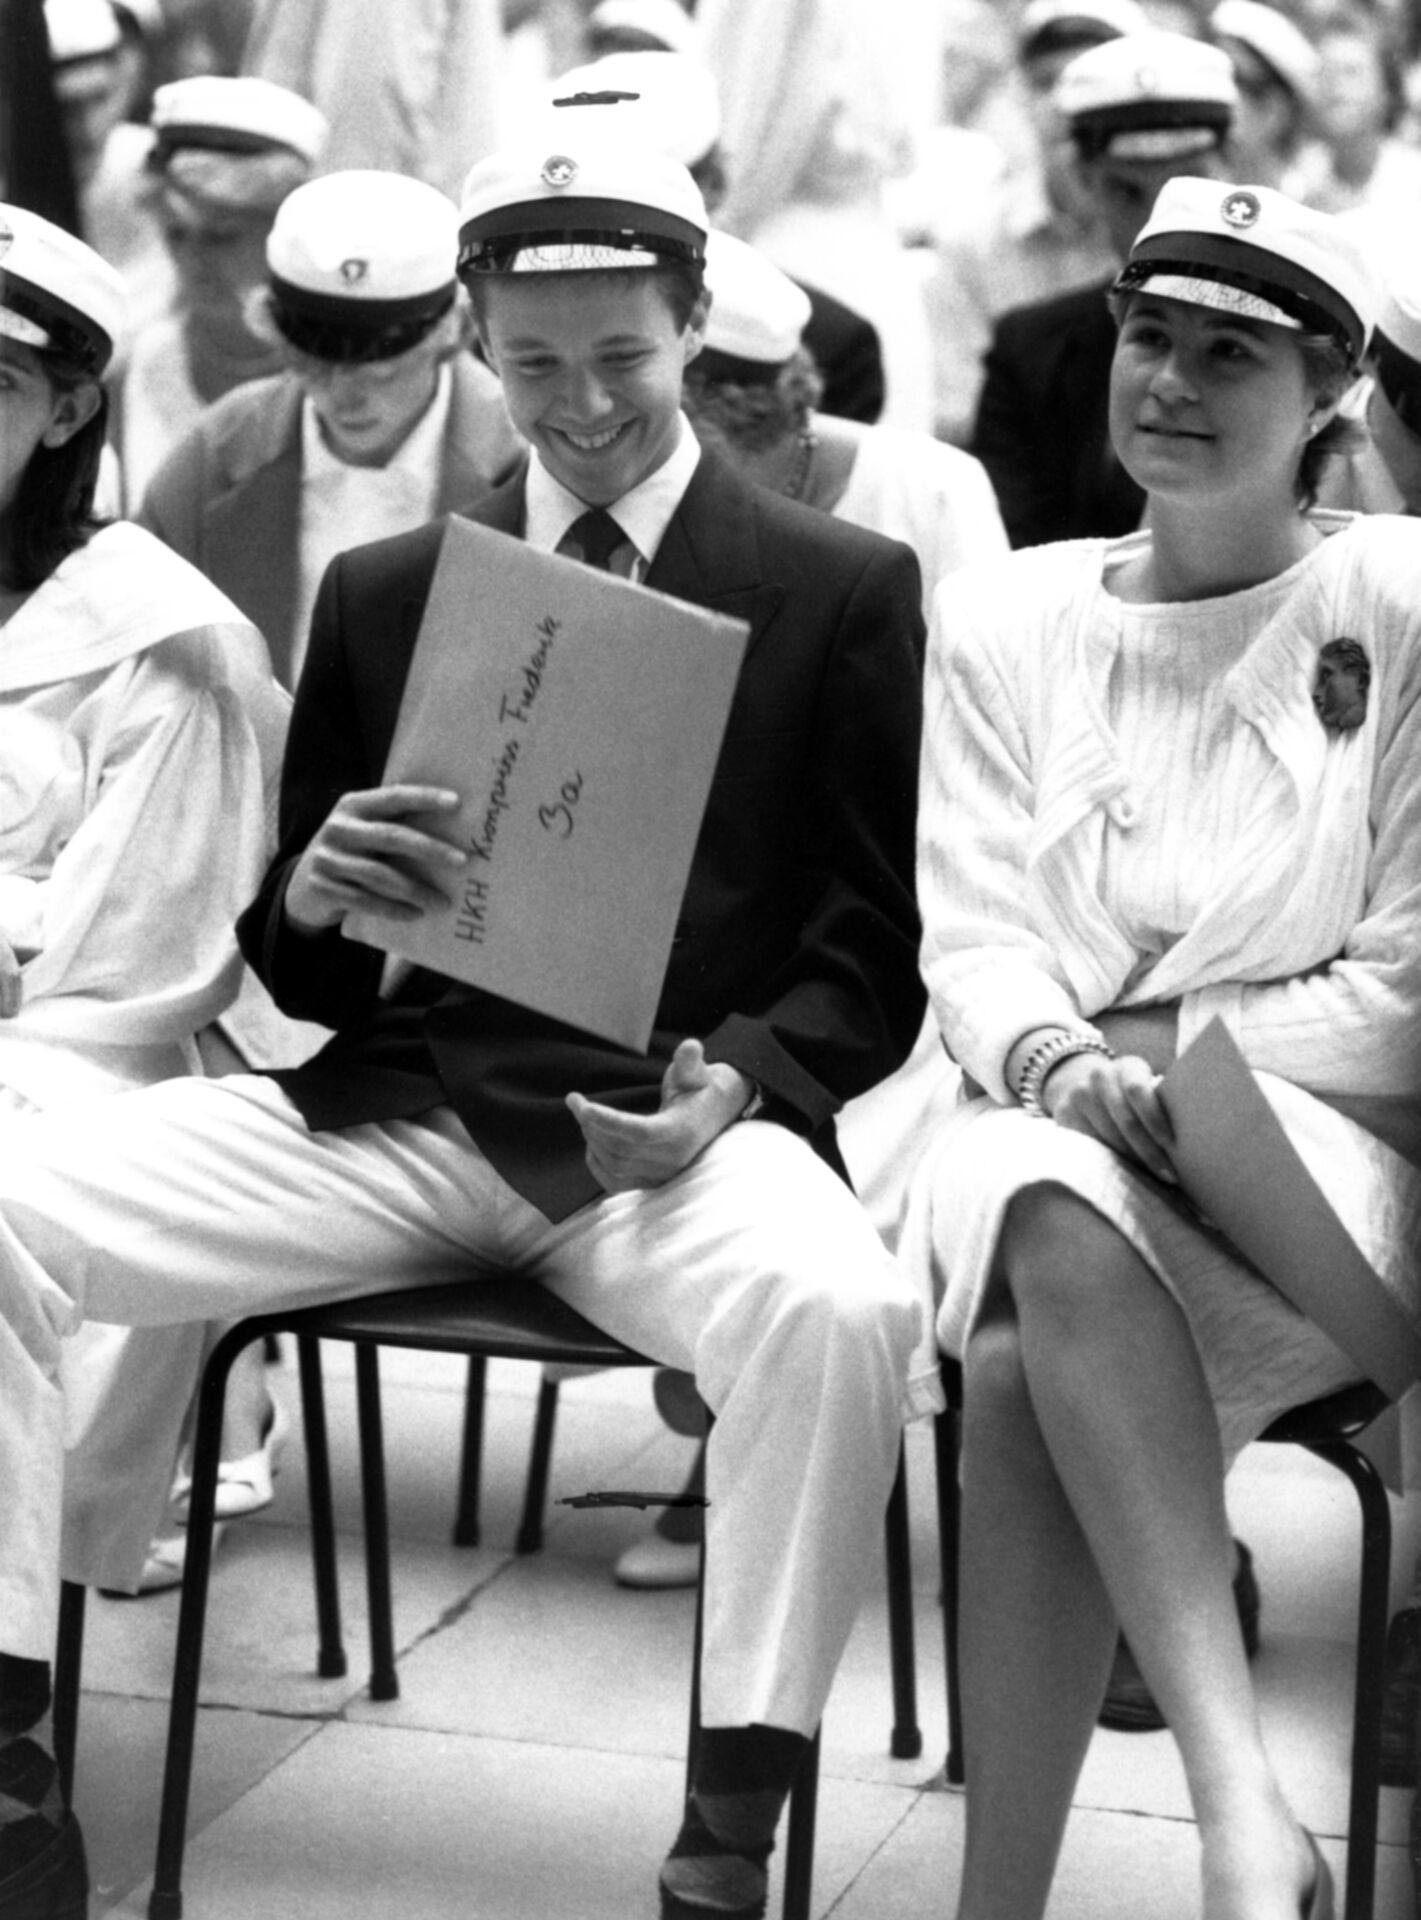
689 1200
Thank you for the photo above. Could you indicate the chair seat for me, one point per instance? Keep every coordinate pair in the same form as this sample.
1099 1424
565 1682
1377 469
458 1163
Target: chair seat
504 1314
1338 1416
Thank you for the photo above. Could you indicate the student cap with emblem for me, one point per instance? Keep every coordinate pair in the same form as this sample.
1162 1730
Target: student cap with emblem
56 294
1272 38
1253 252
234 143
575 196
1056 26
757 314
361 265
1149 96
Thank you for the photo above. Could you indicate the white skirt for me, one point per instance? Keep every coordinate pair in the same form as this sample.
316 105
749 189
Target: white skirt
1260 1355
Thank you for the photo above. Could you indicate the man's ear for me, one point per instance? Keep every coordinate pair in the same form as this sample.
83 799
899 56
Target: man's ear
694 337
72 410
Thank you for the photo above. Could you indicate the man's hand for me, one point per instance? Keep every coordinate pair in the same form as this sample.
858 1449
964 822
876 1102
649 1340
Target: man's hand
1118 1102
366 855
11 985
698 1101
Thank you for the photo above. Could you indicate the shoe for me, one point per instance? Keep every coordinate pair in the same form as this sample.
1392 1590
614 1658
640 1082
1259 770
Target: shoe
162 1570
654 1562
678 1402
1129 1705
1401 1700
1321 1902
244 1486
54 1884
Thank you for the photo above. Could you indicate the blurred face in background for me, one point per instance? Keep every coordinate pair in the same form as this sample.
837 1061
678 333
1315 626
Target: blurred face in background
219 254
91 95
1124 191
1351 92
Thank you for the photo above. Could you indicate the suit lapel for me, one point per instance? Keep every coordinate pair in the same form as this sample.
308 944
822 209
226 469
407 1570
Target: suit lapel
710 553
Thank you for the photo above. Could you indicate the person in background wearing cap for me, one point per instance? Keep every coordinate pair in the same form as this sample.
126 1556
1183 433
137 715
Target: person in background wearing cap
750 395
1039 235
639 26
1360 165
687 1199
381 420
1140 110
1276 72
674 97
138 730
226 152
1167 778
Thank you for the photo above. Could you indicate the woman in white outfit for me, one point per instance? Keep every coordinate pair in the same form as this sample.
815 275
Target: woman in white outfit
138 722
1166 777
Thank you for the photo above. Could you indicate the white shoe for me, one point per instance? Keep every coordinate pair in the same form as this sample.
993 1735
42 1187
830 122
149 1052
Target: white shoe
656 1562
244 1486
163 1569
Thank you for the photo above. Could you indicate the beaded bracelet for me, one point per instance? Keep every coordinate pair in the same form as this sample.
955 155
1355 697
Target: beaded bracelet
1050 1053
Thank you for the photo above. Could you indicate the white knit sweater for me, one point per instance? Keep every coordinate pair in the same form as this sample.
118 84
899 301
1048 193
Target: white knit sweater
1126 804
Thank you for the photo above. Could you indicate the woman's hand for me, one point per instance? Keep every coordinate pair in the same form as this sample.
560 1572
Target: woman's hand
366 855
1116 1101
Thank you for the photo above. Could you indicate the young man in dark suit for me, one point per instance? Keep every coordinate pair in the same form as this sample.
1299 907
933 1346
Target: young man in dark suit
688 1200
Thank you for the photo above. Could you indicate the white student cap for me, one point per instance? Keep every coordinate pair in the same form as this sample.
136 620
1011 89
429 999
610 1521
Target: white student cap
669 100
239 144
1255 253
81 30
757 313
1049 25
361 264
57 293
573 197
1273 38
1148 96
660 21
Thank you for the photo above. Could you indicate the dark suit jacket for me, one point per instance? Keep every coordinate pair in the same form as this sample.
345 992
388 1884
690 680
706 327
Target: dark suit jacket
228 496
1042 422
795 956
849 357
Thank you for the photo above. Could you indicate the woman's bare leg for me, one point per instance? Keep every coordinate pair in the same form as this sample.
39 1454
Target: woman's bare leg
1115 1387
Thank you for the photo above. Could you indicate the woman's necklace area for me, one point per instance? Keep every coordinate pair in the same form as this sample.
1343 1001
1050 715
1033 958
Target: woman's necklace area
793 488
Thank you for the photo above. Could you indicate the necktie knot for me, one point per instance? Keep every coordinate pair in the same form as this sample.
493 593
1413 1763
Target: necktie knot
595 537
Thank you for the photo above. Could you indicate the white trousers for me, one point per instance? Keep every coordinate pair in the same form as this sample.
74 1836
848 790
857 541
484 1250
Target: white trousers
755 1269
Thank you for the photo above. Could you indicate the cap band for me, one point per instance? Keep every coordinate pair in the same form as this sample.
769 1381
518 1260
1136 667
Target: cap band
1300 294
1202 123
1399 377
64 328
329 328
714 363
492 242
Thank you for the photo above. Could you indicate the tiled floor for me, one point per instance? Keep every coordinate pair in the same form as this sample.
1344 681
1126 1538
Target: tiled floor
532 1765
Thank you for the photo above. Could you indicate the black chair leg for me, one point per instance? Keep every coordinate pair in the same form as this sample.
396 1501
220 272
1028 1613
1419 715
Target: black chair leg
68 1666
906 1741
166 1899
947 1443
1372 1603
330 1655
799 1835
471 1454
540 1458
384 1681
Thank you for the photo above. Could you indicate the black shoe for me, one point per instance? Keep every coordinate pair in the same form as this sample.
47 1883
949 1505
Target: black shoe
1401 1701
53 1884
1129 1705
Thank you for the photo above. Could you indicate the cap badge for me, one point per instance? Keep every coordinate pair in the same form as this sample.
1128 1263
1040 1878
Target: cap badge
7 239
353 271
559 171
1241 209
1147 80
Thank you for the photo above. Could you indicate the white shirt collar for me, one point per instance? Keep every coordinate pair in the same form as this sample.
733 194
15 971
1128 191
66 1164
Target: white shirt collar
418 456
643 514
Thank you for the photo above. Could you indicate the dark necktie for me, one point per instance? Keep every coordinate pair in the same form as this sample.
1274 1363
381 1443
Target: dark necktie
593 538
